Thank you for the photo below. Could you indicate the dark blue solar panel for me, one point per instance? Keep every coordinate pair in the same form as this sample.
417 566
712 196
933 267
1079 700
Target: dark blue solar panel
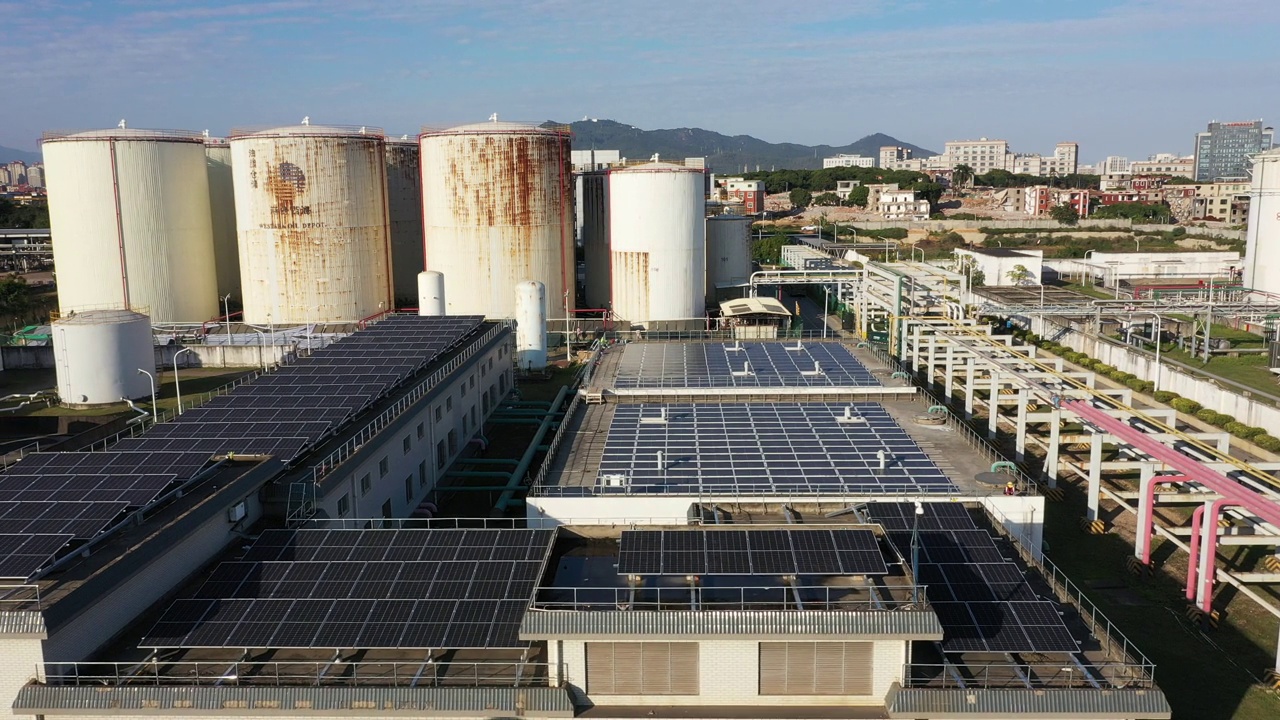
748 364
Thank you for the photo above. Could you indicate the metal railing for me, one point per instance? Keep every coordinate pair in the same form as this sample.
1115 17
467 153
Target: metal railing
972 675
375 426
739 492
20 596
294 674
712 598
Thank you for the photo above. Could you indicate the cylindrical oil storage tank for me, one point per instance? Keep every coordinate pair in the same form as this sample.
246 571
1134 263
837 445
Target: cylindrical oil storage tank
728 257
1262 239
404 208
657 239
431 294
311 216
98 354
497 210
531 326
130 209
222 209
595 237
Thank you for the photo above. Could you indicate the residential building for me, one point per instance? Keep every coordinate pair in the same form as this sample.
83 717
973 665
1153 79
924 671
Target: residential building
751 193
1165 164
17 173
1039 200
848 161
844 187
894 204
1224 149
891 155
4 175
1114 164
35 175
982 155
1064 161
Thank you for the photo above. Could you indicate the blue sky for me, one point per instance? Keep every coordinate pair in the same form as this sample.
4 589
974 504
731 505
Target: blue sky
1129 77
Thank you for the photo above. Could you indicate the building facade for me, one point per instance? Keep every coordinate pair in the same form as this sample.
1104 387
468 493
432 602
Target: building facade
1224 149
848 161
891 155
982 155
1165 164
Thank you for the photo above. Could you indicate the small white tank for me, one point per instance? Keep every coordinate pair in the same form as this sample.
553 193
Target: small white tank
531 325
431 294
98 354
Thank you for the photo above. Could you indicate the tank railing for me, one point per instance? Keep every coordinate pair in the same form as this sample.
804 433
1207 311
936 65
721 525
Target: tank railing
20 596
428 673
831 598
319 130
125 134
1113 642
1030 676
375 426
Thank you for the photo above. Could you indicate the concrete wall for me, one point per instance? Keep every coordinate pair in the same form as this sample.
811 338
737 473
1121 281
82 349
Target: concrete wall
1208 393
729 674
19 659
38 357
1032 224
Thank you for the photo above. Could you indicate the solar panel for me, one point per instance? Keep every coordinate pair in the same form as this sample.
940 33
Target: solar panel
273 599
749 552
747 364
764 448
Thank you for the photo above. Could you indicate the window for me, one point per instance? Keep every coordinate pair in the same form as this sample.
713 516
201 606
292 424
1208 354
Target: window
823 668
366 484
473 415
440 455
422 431
502 383
344 505
448 404
648 668
422 474
473 382
408 490
453 442
439 414
405 444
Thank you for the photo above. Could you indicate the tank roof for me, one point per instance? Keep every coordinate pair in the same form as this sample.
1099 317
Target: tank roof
657 167
188 136
501 127
100 317
352 131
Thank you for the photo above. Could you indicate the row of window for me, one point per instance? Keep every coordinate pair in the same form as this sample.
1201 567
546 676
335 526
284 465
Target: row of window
785 668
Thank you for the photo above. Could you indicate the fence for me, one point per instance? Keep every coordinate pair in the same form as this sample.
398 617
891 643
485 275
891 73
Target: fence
1018 675
293 674
775 597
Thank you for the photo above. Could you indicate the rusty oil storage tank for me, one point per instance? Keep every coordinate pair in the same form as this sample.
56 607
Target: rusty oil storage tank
222 209
657 242
404 208
130 209
311 216
497 210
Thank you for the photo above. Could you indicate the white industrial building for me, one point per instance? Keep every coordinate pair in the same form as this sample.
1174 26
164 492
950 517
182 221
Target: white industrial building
1110 268
1002 267
843 160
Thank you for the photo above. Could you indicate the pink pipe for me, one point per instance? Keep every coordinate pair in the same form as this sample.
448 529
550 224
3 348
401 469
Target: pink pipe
1148 523
1211 526
1193 563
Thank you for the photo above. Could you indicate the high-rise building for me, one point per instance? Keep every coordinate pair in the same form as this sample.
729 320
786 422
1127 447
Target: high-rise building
17 172
1223 151
4 174
35 175
1113 165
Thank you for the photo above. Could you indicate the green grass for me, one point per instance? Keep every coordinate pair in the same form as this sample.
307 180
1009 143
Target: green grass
1205 676
1248 370
1092 291
194 381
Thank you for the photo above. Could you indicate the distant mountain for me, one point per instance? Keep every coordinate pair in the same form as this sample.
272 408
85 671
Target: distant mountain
8 154
724 154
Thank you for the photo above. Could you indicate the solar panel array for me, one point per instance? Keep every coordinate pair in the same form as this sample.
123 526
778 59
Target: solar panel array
750 552
769 364
368 589
764 448
61 499
982 599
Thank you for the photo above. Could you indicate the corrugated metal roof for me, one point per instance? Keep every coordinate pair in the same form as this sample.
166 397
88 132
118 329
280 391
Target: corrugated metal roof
22 622
374 701
939 704
905 624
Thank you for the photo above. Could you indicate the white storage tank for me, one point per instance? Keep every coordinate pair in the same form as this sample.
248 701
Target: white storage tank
595 237
497 210
404 208
98 354
728 257
431 294
657 238
311 216
130 209
531 326
222 208
1262 240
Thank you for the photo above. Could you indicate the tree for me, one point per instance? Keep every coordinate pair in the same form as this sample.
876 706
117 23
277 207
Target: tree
1137 212
968 266
801 198
1019 275
15 295
1065 214
826 199
858 196
961 175
768 249
930 191
33 215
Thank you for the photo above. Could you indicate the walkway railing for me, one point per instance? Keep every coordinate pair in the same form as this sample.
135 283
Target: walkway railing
293 674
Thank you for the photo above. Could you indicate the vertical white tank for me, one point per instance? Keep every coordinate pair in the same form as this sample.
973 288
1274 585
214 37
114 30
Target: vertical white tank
728 256
657 238
130 209
431 294
404 208
222 208
1262 240
595 237
311 214
497 210
531 326
98 354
